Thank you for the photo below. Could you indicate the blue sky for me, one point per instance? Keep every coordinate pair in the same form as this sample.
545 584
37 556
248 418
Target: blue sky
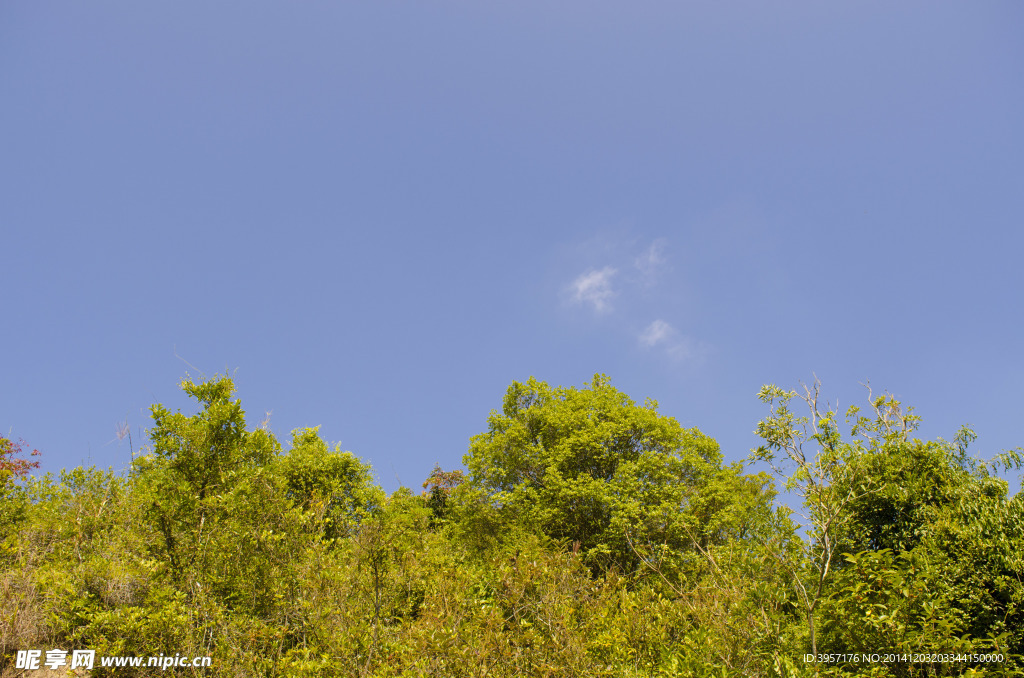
376 216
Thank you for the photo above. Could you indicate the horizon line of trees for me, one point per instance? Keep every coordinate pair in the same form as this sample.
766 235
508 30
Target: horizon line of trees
586 535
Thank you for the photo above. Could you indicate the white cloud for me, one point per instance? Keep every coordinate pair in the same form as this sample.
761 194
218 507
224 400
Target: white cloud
594 287
684 349
657 332
679 348
651 261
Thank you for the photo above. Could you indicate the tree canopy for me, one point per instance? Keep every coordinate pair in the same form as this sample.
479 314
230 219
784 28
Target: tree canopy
588 535
591 467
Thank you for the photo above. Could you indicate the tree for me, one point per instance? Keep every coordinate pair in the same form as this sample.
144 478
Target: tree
335 486
931 559
910 544
820 477
593 468
201 468
12 464
437 490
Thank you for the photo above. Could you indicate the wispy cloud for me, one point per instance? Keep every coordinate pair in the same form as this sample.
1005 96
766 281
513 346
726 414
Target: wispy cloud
685 349
679 348
651 261
657 332
595 288
634 278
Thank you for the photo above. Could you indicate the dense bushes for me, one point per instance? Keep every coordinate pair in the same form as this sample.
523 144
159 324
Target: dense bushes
589 536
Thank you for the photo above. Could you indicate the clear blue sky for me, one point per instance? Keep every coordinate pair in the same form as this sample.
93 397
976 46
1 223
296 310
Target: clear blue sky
378 215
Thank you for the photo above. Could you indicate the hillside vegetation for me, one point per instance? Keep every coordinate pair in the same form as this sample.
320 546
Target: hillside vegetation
587 535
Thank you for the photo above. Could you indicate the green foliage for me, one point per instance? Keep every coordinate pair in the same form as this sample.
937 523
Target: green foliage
334 485
202 470
945 541
13 467
589 466
438 488
912 546
590 536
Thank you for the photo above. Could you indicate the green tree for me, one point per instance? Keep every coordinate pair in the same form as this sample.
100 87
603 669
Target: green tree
238 526
335 487
932 554
591 467
909 544
202 469
824 477
437 490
